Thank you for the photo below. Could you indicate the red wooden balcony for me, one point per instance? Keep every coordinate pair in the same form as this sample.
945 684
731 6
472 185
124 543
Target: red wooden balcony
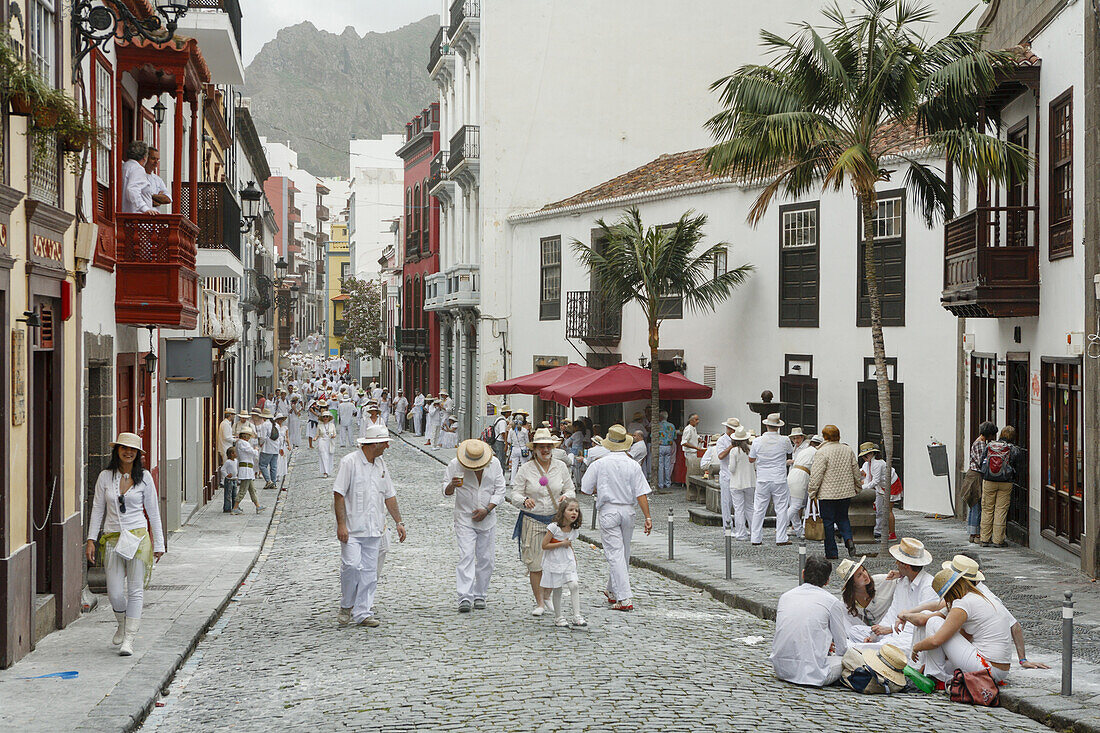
991 263
156 282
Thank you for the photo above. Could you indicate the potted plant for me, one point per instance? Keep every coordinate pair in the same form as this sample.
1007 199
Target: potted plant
20 86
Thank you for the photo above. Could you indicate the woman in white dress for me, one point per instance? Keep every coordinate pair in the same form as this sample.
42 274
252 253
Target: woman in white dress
448 434
294 422
518 437
326 440
124 496
386 406
283 443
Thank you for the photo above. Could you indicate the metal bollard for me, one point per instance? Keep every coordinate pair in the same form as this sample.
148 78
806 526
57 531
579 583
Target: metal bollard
1067 644
801 557
729 554
671 556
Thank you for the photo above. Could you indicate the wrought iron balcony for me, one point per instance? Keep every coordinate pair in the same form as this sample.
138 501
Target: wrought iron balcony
465 146
156 280
437 170
440 47
464 9
591 318
991 263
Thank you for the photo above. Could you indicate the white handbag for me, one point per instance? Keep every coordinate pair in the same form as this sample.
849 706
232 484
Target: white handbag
127 545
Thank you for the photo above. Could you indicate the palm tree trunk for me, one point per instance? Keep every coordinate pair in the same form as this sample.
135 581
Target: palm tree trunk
885 409
654 401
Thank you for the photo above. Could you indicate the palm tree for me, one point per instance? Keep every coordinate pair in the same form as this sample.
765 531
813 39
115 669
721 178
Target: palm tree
648 266
843 105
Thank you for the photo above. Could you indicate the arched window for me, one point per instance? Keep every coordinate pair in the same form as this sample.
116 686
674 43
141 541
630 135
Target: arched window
407 316
417 302
416 208
426 208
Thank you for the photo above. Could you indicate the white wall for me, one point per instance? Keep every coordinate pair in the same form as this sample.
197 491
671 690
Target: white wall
378 184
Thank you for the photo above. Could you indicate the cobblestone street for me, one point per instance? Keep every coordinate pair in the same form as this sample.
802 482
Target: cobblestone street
278 660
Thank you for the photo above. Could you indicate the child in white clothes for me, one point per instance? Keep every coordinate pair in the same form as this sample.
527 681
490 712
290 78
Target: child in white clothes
559 564
229 479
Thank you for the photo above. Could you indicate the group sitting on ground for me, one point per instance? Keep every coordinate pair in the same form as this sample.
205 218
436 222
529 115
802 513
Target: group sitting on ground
940 623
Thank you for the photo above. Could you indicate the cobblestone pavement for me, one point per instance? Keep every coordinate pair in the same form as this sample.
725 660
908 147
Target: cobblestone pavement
681 661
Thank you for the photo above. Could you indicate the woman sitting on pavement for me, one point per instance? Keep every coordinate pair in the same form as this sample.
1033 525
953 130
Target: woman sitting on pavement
867 597
975 634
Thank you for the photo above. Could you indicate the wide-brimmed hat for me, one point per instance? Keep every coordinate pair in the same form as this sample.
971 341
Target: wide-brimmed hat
244 414
888 661
521 411
474 454
774 420
733 423
796 433
229 411
617 439
847 568
375 434
443 393
245 429
128 440
257 412
543 436
967 566
816 438
868 447
944 580
267 413
911 552
740 433
322 403
504 409
325 414
279 416
373 407
294 397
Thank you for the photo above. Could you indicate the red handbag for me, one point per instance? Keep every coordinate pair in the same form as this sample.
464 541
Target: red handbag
974 688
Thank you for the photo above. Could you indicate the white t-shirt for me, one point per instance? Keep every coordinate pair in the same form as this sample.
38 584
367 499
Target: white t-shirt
988 626
770 451
228 469
618 478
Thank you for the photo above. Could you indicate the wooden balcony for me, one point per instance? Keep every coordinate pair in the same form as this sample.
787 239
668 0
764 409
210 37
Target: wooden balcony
322 212
411 340
991 263
156 282
589 318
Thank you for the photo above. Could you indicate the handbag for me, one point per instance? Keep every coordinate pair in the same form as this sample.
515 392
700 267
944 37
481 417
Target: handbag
813 528
974 688
127 544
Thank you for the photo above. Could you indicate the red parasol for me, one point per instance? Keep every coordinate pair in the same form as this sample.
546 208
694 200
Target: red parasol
622 383
533 383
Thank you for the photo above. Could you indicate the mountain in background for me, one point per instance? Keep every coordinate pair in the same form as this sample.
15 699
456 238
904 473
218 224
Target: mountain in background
318 89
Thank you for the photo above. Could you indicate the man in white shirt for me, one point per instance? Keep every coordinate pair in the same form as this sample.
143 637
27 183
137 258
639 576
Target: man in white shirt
347 414
400 410
136 195
639 451
362 493
810 630
225 432
769 454
500 433
691 444
618 482
158 191
912 590
476 480
418 414
269 449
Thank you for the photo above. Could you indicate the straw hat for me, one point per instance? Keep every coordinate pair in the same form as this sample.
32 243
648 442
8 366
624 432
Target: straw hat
245 429
128 440
322 403
944 580
325 414
543 437
865 448
243 414
733 423
965 565
504 409
474 454
774 421
279 416
375 434
740 433
888 661
229 411
796 433
257 412
848 567
911 552
373 407
617 439
521 411
816 439
267 413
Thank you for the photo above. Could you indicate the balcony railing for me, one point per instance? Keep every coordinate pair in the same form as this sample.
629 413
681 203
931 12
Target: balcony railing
991 263
437 169
465 145
219 217
156 282
464 9
322 214
294 214
232 8
590 317
412 245
411 340
440 47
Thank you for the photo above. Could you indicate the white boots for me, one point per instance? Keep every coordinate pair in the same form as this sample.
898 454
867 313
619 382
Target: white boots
127 647
120 633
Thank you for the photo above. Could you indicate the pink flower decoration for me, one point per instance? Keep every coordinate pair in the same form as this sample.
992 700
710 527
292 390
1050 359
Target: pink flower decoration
544 481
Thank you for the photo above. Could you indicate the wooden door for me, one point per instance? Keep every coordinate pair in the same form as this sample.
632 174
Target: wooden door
1062 514
45 492
870 426
983 391
124 394
1018 415
800 394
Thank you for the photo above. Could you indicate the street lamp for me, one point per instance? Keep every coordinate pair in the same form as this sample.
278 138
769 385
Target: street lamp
281 266
679 364
96 22
250 205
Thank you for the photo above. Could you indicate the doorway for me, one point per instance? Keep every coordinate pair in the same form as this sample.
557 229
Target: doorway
870 425
1017 414
44 454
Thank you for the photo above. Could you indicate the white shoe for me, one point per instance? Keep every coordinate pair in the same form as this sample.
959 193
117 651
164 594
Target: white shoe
538 611
579 621
561 622
549 603
120 633
344 617
127 648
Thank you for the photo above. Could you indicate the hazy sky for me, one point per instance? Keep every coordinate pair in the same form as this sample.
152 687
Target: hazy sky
263 18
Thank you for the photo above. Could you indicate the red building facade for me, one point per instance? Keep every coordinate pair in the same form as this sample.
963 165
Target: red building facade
418 335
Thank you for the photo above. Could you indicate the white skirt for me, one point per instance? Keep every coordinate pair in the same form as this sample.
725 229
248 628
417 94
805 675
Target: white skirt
448 439
557 578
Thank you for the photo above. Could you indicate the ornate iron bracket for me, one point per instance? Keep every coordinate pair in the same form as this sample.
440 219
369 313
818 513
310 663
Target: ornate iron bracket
94 25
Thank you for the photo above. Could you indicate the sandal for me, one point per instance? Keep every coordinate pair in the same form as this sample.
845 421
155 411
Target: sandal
622 607
607 595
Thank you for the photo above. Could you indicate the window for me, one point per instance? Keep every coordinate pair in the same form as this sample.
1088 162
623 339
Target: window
1063 475
799 274
1061 176
104 118
426 220
671 306
889 228
983 391
41 38
550 279
721 263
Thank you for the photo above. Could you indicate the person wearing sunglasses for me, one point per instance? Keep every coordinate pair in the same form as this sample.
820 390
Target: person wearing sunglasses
124 496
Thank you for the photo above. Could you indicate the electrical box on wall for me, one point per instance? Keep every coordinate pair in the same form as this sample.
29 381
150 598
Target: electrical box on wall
1075 343
968 342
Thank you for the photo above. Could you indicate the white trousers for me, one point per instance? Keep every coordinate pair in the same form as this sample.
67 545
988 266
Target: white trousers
775 492
882 523
955 653
324 455
477 550
616 529
517 461
736 500
418 421
359 575
400 417
125 584
347 434
794 522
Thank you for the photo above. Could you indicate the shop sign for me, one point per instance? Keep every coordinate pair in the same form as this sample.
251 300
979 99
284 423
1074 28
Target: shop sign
47 249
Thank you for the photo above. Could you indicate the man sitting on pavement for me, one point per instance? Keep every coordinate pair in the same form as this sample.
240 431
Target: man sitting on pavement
810 630
913 589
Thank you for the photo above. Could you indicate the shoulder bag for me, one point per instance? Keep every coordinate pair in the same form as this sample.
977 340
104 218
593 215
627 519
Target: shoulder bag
813 528
974 688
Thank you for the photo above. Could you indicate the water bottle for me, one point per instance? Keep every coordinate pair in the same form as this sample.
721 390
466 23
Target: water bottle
922 682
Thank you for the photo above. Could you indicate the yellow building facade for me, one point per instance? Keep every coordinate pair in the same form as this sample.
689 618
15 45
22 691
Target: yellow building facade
337 267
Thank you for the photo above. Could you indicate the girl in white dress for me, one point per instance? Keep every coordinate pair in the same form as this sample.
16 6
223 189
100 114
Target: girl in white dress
559 564
448 434
326 441
283 443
